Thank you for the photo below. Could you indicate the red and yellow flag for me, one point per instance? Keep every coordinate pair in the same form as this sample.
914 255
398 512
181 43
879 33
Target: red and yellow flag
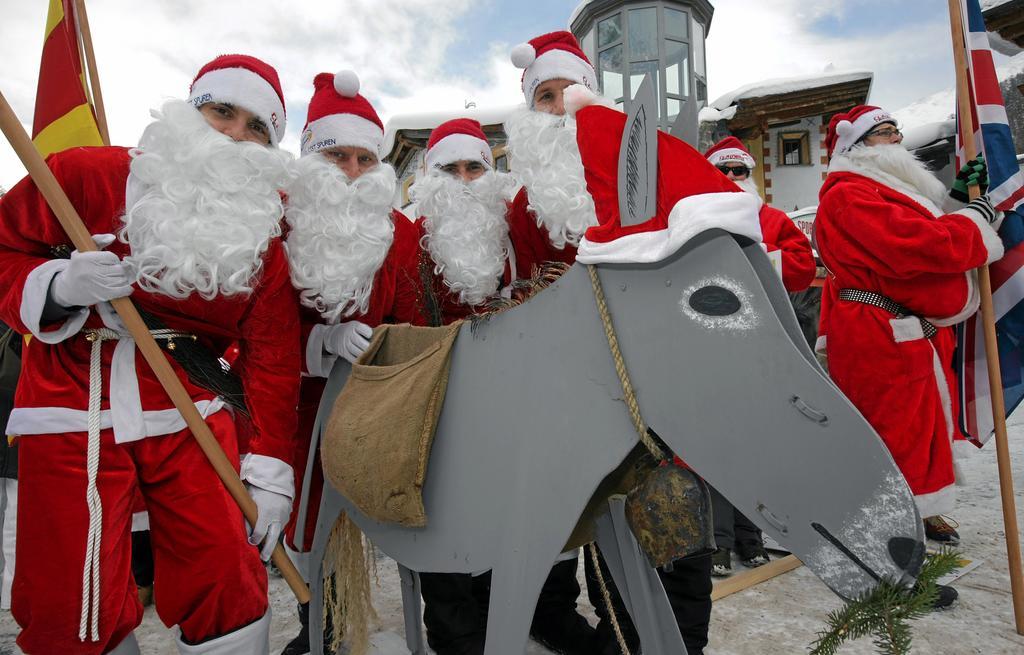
64 116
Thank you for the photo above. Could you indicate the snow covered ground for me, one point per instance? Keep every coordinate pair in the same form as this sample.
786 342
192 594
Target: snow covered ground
778 617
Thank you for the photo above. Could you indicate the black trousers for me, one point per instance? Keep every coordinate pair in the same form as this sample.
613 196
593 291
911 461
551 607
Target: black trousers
733 530
688 586
455 606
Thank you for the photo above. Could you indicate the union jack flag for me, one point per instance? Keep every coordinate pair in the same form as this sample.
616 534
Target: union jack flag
1006 191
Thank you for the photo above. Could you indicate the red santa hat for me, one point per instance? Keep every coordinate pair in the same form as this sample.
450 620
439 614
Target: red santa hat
729 150
693 196
846 130
246 82
339 116
457 140
552 56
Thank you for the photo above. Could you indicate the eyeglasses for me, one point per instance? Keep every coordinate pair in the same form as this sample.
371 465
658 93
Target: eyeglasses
887 133
738 171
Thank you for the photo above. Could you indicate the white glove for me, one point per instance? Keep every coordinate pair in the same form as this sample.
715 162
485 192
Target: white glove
91 277
348 340
274 510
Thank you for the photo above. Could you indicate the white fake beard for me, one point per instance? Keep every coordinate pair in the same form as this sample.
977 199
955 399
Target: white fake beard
201 209
749 185
340 233
466 230
545 157
897 167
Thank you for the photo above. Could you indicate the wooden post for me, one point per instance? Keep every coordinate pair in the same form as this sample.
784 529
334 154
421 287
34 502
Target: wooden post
82 240
988 322
82 20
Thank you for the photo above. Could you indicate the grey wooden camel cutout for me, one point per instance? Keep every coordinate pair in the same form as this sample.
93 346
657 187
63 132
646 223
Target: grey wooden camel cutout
533 421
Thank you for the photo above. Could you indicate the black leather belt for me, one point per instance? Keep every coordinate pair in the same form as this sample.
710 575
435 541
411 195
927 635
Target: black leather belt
889 305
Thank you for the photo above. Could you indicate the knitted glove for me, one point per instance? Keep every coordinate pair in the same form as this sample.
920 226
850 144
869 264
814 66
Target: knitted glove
973 173
983 209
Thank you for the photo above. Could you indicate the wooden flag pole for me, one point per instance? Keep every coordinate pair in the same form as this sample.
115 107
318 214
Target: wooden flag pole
82 240
94 76
995 381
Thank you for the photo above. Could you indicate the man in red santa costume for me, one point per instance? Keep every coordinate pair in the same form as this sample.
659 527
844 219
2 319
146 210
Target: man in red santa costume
474 254
187 224
787 247
900 276
354 262
791 254
542 146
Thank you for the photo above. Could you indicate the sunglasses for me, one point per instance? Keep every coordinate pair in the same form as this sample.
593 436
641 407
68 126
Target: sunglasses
738 171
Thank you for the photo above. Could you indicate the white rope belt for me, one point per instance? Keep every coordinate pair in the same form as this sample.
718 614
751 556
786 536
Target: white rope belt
91 570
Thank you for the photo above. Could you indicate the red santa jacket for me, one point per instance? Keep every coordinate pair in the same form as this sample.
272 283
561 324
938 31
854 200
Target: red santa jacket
874 238
52 394
779 233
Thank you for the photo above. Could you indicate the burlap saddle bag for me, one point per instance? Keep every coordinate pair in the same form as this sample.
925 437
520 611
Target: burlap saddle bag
377 441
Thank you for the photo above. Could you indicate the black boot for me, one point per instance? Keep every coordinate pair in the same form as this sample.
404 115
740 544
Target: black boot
556 624
300 645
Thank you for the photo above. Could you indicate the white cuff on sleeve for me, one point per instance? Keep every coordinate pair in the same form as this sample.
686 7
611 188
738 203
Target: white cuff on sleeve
318 360
989 236
268 473
33 300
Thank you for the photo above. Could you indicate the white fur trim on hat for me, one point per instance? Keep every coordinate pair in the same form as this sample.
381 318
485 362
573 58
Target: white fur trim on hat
342 130
733 211
848 134
458 147
557 64
243 88
727 155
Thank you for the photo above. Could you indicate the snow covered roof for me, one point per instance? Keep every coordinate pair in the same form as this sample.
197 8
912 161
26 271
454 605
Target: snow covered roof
927 134
712 115
781 85
939 106
430 120
989 4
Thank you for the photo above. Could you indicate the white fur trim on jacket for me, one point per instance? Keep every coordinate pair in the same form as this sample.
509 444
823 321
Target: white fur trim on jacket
937 502
243 88
342 130
459 147
318 361
733 211
33 300
989 237
557 64
268 473
253 638
906 329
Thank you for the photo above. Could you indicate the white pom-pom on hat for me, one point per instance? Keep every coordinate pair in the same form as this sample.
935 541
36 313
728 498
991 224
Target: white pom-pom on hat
346 83
523 55
844 128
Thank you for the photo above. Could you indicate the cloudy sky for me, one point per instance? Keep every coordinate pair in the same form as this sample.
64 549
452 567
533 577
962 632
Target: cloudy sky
420 55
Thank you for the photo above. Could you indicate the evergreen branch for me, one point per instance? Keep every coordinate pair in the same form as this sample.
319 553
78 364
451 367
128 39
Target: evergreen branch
886 610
